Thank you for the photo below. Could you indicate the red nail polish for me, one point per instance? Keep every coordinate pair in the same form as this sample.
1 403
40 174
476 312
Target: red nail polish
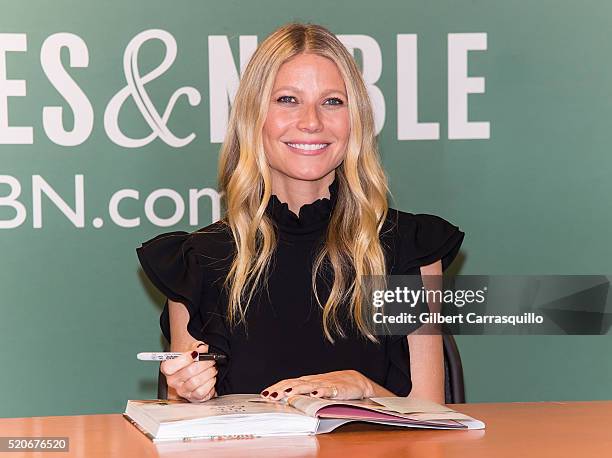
265 393
194 354
314 392
274 394
288 390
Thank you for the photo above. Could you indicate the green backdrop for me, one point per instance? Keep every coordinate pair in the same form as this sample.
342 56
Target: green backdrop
533 197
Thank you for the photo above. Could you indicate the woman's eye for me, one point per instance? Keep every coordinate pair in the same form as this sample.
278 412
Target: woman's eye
286 99
334 101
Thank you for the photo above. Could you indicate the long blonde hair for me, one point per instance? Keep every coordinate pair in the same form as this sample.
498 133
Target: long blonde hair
352 246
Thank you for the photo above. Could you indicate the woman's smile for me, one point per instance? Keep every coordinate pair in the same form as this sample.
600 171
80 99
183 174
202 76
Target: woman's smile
307 149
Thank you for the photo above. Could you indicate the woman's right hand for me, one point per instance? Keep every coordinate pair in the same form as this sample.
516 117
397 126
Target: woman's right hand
189 378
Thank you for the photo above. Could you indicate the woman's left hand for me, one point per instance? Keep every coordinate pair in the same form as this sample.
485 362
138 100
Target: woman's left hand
341 385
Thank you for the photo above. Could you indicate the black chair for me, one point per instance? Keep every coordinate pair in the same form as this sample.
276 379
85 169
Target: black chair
454 391
162 386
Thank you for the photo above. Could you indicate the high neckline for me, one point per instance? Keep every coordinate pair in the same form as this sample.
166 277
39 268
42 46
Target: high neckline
312 220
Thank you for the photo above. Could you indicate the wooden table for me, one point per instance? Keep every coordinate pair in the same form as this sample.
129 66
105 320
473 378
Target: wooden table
547 429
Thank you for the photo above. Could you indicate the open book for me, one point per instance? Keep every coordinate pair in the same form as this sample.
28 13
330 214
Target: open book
241 415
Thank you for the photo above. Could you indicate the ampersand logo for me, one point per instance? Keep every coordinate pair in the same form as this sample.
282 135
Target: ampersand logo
136 90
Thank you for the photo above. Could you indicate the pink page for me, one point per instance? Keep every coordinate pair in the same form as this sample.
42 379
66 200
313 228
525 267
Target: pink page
365 414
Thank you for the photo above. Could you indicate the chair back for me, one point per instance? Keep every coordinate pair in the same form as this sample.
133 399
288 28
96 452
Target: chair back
454 390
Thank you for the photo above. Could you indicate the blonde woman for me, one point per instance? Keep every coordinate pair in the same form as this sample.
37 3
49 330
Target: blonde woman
275 285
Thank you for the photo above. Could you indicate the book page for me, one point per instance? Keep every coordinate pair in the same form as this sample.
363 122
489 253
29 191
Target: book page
235 404
410 405
349 412
307 404
412 409
310 405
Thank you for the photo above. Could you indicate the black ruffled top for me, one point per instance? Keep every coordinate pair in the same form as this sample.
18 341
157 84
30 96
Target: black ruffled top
284 335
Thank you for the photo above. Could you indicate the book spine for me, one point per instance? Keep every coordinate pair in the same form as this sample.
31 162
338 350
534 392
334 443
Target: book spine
129 419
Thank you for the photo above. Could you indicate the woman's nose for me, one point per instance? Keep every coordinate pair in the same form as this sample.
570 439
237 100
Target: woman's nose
310 119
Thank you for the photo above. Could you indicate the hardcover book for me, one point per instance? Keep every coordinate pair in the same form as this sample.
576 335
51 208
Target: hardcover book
249 415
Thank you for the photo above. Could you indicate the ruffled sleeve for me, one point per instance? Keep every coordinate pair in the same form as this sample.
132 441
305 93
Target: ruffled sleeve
425 239
417 240
172 265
